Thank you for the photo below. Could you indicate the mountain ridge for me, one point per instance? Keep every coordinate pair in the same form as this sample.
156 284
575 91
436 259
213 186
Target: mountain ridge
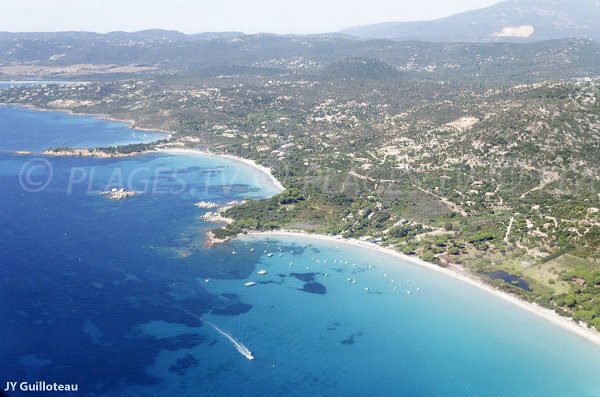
511 20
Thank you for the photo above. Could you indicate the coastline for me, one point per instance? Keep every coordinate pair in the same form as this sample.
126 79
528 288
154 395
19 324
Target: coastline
242 160
454 272
130 123
554 318
89 153
93 152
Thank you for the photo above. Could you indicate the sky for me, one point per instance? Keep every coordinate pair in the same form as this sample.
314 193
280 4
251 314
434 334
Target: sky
195 16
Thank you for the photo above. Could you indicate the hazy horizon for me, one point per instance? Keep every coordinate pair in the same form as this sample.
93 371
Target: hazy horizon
189 16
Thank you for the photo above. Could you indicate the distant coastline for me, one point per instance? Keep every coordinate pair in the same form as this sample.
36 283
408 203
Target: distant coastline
132 124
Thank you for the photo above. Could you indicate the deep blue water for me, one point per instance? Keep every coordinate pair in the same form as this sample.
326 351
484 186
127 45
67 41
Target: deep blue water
113 295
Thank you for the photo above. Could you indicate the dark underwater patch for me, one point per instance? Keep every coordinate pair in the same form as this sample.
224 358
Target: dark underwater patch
183 364
193 169
306 277
269 282
351 339
233 310
231 190
183 341
314 288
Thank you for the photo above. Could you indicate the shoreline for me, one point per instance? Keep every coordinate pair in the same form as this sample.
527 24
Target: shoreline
132 124
89 153
92 152
242 160
552 317
454 272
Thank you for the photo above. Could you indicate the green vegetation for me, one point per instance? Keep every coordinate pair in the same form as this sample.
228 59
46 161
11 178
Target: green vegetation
457 165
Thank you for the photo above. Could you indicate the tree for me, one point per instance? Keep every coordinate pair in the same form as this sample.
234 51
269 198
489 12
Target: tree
428 256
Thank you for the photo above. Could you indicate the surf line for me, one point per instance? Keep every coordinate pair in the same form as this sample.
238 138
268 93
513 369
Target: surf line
240 347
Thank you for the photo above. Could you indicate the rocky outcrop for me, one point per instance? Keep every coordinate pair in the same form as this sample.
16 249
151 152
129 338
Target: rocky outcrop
118 194
206 204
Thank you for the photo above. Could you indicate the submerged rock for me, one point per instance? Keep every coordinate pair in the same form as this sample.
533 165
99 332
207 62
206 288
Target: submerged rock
232 310
314 288
306 277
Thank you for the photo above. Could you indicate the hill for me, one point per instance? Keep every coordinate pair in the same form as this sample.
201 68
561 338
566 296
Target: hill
74 54
513 20
361 68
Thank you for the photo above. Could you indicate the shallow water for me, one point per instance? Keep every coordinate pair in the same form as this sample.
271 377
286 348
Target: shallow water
113 295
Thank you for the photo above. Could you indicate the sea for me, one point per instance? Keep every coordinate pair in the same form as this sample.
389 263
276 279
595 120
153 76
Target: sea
124 298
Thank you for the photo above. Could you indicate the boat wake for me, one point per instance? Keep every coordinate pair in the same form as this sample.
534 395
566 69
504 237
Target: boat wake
236 343
240 347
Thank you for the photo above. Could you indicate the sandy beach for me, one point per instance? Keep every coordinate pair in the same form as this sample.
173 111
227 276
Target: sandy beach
456 273
251 163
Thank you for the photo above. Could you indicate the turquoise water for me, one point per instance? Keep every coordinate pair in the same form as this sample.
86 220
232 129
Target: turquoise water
114 296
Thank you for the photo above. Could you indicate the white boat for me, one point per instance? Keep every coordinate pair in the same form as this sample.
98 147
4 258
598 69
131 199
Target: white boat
250 284
269 255
252 250
262 272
